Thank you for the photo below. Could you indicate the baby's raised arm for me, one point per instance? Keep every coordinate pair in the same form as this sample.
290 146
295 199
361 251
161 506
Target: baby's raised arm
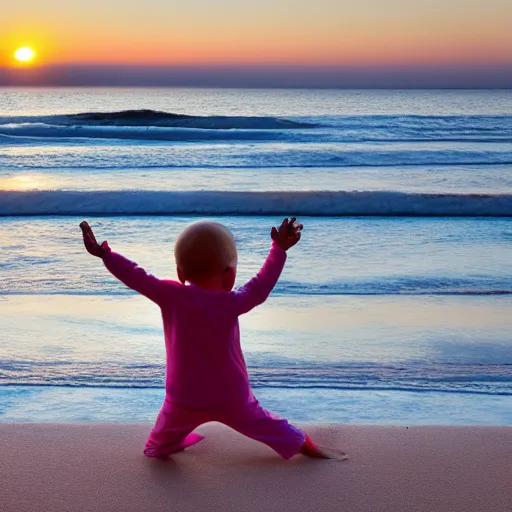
256 291
123 269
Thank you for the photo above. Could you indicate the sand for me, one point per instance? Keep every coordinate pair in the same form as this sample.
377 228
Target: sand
100 467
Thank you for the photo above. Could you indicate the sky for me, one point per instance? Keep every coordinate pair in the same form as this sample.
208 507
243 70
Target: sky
330 42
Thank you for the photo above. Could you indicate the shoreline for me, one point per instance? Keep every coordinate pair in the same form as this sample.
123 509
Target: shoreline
96 467
67 405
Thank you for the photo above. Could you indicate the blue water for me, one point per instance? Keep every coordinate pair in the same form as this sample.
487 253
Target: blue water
394 308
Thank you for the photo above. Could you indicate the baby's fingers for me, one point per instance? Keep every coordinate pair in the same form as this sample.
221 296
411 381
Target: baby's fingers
290 228
86 230
283 228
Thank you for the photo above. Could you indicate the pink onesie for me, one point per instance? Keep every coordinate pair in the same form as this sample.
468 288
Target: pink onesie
206 376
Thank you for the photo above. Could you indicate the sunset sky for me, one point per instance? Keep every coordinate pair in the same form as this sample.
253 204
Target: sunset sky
374 35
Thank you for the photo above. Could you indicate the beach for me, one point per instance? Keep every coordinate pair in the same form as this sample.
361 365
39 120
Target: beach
387 335
100 467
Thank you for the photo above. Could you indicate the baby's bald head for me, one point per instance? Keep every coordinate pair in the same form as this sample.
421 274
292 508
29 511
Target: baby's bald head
204 250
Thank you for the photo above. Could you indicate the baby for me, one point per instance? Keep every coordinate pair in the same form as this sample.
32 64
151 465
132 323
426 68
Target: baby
206 376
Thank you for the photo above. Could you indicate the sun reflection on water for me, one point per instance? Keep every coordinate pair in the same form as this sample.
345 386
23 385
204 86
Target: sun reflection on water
27 182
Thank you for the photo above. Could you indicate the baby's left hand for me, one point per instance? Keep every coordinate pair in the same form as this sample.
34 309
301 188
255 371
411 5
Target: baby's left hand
288 233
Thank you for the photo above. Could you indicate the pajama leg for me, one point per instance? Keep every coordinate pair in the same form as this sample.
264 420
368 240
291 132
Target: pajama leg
173 431
261 425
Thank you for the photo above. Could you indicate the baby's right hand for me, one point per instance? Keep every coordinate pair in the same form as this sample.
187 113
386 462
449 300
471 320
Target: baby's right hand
288 234
92 246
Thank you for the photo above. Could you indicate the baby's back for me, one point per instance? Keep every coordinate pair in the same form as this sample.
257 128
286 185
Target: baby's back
205 365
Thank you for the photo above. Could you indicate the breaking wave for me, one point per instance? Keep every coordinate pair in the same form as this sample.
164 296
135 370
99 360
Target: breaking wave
148 118
304 203
145 125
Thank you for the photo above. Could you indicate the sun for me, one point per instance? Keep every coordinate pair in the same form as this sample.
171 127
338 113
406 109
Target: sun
24 54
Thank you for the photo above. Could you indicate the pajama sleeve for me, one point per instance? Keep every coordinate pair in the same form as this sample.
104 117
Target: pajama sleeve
136 277
256 291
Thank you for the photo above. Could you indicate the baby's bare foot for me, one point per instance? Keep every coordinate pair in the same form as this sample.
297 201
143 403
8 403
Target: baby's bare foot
330 453
311 449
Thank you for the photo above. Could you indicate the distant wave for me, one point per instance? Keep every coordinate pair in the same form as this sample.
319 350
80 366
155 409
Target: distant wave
155 118
447 378
321 203
145 117
148 125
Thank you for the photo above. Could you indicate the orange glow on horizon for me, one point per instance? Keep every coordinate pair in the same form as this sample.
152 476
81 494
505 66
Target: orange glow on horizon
329 32
158 54
355 51
371 55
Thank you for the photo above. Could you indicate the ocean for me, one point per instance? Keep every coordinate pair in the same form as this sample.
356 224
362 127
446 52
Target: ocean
395 308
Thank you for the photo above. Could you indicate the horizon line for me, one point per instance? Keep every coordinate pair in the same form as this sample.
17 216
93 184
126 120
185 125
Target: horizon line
409 76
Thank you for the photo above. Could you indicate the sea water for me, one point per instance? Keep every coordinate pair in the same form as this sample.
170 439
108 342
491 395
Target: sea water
396 306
